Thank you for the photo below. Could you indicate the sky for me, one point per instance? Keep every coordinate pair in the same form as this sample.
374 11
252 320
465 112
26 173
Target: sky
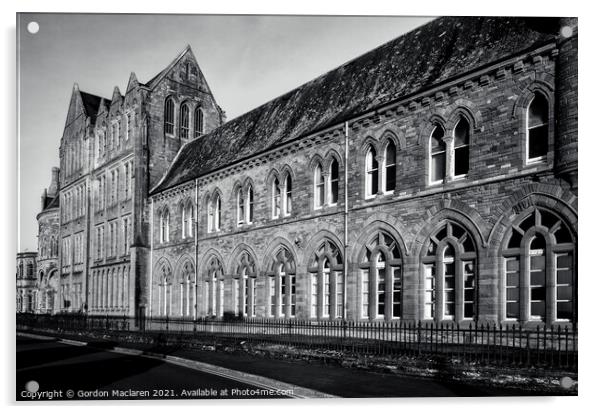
247 61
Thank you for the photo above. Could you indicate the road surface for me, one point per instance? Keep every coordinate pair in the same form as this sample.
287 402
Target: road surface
62 370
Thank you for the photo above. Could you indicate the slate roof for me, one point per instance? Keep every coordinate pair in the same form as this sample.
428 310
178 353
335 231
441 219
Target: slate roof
51 202
433 53
91 104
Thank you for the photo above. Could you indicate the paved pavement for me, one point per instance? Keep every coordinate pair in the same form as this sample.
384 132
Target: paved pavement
98 373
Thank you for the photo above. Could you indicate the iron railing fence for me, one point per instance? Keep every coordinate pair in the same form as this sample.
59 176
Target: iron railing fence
497 344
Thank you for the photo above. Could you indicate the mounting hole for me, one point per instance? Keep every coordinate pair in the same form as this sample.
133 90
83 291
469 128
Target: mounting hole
566 32
33 27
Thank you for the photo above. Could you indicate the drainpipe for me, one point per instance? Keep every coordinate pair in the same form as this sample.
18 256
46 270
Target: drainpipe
196 249
152 238
346 218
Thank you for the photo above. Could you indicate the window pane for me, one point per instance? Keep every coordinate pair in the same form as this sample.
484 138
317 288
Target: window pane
390 178
538 141
538 111
373 183
461 133
438 167
461 161
564 310
512 294
538 309
512 310
562 235
396 292
381 292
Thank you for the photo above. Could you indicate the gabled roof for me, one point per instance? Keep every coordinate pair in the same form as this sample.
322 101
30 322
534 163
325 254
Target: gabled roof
91 103
159 76
436 52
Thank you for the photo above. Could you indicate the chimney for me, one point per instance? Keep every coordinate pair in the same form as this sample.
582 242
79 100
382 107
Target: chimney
54 183
44 196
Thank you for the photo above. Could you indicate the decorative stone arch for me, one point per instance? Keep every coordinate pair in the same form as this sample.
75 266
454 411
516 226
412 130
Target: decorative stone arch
470 113
207 256
316 240
271 249
182 261
233 257
377 222
286 169
451 210
388 135
162 269
246 183
331 155
270 176
551 197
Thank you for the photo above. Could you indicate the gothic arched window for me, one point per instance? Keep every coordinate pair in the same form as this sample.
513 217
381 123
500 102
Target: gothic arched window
169 116
327 284
276 198
214 213
288 194
450 272
334 182
164 226
198 122
281 282
380 269
187 289
390 167
371 173
537 128
184 121
165 291
245 286
214 288
539 266
437 155
249 203
318 186
461 148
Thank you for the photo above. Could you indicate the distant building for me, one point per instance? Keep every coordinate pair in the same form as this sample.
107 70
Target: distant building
433 178
27 284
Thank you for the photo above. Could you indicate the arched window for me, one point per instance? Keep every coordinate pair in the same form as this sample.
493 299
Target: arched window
21 270
240 202
214 213
380 270
187 289
288 194
165 291
537 128
198 122
249 203
390 167
371 173
437 155
327 285
214 288
276 200
245 286
281 284
169 116
318 186
334 181
164 226
539 265
187 212
461 148
184 121
450 274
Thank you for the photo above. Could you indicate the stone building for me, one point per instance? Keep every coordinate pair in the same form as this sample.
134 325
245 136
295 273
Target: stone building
27 293
48 248
433 178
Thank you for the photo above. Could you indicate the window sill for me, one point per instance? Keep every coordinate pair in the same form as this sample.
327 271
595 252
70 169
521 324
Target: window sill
537 160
